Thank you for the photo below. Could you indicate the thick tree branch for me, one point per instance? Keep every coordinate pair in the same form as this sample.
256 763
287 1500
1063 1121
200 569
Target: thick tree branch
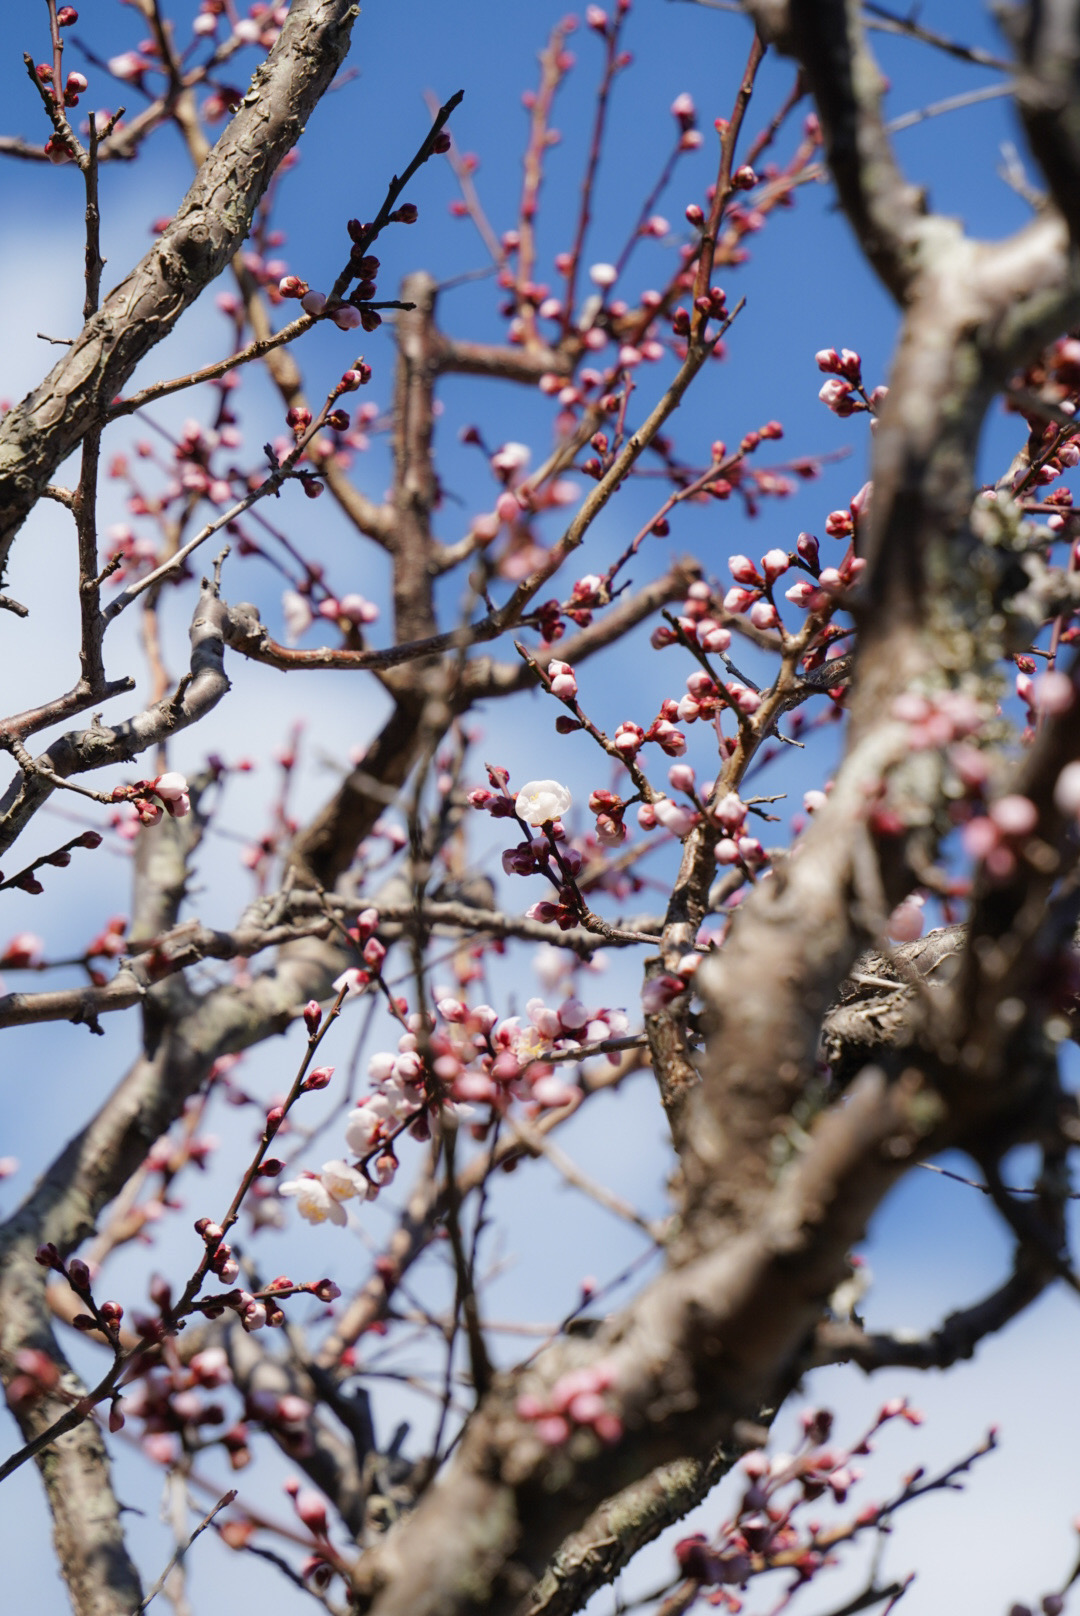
96 748
209 226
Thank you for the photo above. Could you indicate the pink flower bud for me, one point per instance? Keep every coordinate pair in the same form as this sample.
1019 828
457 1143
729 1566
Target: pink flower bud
669 739
713 636
681 777
312 1511
743 570
673 816
563 682
683 109
774 563
836 394
659 992
730 812
763 614
79 1276
629 738
313 302
801 594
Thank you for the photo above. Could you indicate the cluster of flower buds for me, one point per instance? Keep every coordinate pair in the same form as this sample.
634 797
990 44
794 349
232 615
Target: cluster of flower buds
104 1317
169 1402
261 26
580 1400
349 612
74 84
562 681
170 789
841 524
764 1532
473 1058
735 847
357 978
495 1062
999 836
609 809
127 554
841 393
949 721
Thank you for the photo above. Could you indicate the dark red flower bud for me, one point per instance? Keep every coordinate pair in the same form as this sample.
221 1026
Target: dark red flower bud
79 1276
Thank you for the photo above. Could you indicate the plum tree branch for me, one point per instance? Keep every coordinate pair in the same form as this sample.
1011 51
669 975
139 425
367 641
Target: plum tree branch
211 222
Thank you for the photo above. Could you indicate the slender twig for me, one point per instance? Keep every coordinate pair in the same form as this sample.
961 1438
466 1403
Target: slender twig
177 1559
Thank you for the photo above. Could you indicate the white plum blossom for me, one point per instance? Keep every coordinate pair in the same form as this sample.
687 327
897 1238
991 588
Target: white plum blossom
551 965
296 610
361 1128
343 1181
541 801
511 458
170 786
314 1201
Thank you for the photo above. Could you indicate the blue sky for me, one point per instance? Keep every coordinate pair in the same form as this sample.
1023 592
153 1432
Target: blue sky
934 1245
